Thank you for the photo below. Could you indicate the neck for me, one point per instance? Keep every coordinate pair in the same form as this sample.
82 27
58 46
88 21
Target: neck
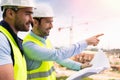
35 31
10 22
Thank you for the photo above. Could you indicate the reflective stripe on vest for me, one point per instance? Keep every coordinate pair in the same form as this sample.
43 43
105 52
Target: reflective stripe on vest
46 70
20 72
42 74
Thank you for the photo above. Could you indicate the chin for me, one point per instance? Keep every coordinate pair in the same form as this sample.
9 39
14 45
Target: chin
27 28
47 35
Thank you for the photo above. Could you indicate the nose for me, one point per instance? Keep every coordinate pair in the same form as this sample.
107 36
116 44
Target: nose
51 25
31 18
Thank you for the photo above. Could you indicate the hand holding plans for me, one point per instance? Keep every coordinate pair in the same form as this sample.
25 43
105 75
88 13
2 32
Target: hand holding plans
99 63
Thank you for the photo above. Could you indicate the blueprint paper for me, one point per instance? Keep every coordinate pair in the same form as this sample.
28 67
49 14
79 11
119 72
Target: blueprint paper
99 63
100 60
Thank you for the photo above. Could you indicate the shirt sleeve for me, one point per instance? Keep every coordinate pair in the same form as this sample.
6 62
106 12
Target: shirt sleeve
70 64
5 57
35 52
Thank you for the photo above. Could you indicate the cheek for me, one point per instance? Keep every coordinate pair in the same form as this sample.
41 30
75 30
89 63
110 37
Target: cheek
46 25
21 18
24 17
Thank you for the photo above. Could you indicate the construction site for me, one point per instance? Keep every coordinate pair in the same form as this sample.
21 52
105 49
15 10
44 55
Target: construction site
113 73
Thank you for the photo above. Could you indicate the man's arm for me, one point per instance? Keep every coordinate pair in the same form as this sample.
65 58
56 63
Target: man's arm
45 54
6 72
70 64
6 65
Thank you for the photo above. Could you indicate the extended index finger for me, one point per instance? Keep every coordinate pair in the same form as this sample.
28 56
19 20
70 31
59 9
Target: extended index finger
99 35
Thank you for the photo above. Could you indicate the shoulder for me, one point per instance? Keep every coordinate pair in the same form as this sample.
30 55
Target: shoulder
3 40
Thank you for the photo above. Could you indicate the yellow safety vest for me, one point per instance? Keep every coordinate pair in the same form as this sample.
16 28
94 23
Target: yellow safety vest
46 69
20 71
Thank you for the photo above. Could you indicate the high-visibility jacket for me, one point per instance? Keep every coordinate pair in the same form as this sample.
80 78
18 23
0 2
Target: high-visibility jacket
20 71
46 69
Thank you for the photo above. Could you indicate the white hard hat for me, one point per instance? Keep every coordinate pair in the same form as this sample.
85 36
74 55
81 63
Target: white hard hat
43 10
21 3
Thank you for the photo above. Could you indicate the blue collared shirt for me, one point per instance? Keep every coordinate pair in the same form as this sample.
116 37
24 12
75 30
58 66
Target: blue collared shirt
35 54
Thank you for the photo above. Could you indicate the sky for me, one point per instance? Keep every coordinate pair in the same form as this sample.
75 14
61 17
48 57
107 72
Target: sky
87 18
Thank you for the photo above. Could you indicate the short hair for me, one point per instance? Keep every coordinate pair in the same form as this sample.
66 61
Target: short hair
38 19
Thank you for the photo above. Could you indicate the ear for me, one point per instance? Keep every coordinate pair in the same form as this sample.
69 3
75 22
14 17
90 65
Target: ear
10 13
35 22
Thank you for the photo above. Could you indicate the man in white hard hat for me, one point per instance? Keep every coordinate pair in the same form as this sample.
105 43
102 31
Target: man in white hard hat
39 52
17 16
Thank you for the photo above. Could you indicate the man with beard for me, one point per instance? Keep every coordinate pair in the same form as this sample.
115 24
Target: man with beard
17 16
39 52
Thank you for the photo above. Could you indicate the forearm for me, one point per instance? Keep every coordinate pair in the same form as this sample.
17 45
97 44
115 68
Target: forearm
70 64
6 72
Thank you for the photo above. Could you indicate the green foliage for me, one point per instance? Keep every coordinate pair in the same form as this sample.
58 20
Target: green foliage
65 77
117 63
86 78
62 78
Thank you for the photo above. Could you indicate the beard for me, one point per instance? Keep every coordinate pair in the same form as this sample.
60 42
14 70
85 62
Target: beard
20 25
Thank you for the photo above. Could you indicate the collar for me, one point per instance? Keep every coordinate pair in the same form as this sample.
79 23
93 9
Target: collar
38 37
